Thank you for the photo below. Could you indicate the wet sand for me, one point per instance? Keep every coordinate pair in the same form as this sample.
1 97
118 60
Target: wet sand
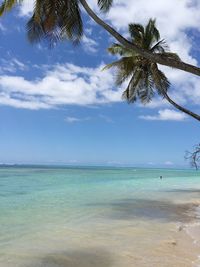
99 218
117 240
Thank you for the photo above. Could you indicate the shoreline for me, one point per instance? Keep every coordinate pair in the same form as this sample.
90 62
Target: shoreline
192 231
99 218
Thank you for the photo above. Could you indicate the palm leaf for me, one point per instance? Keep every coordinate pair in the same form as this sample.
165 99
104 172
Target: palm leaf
170 55
7 5
161 82
146 91
55 20
160 47
151 34
105 5
118 49
114 64
131 92
34 30
145 77
122 76
127 95
152 31
136 32
72 24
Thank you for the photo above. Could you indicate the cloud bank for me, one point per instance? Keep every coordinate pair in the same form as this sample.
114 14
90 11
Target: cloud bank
66 84
70 84
165 115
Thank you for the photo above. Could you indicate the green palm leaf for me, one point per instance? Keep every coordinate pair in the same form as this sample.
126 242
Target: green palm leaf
151 31
118 49
136 32
7 5
161 82
105 4
145 79
170 55
56 20
131 92
160 47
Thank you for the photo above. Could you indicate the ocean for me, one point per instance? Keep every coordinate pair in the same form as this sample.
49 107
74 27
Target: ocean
100 217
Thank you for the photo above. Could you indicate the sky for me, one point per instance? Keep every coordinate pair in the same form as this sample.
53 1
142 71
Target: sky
57 106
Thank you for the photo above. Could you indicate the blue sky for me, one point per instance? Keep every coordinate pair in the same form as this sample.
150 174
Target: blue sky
57 106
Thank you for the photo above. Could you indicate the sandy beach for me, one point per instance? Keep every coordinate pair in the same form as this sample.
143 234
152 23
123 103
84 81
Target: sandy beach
99 217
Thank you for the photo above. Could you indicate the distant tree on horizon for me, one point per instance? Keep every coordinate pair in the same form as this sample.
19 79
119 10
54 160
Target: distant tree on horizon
194 156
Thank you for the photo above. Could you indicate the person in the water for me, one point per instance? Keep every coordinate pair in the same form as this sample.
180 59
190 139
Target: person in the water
161 177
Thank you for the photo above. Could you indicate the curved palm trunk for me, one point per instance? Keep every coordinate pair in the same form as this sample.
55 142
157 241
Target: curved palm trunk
153 57
188 112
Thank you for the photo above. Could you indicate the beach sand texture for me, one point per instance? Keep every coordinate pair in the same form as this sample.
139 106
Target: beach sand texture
53 217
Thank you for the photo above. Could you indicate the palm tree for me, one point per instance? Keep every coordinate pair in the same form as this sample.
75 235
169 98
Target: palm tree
55 20
60 19
144 77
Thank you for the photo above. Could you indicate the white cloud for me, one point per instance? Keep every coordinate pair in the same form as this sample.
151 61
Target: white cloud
89 44
66 84
174 19
172 24
26 103
11 65
88 31
168 163
26 8
69 84
165 115
174 28
75 119
156 102
2 28
106 118
151 163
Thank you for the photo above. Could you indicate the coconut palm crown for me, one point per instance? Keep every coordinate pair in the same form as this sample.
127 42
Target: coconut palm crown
144 77
55 19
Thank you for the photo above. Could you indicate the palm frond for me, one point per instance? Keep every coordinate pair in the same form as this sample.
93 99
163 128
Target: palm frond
170 55
105 5
136 32
151 34
132 90
55 20
121 76
34 30
7 5
145 77
125 67
152 30
127 95
118 49
115 64
160 47
146 92
72 24
125 63
161 82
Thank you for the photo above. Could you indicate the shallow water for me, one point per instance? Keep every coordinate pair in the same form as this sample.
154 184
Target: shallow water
102 217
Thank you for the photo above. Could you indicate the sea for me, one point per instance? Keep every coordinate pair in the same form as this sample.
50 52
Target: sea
99 217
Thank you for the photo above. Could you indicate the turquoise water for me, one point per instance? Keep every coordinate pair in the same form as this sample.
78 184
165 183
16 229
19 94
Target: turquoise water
48 209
